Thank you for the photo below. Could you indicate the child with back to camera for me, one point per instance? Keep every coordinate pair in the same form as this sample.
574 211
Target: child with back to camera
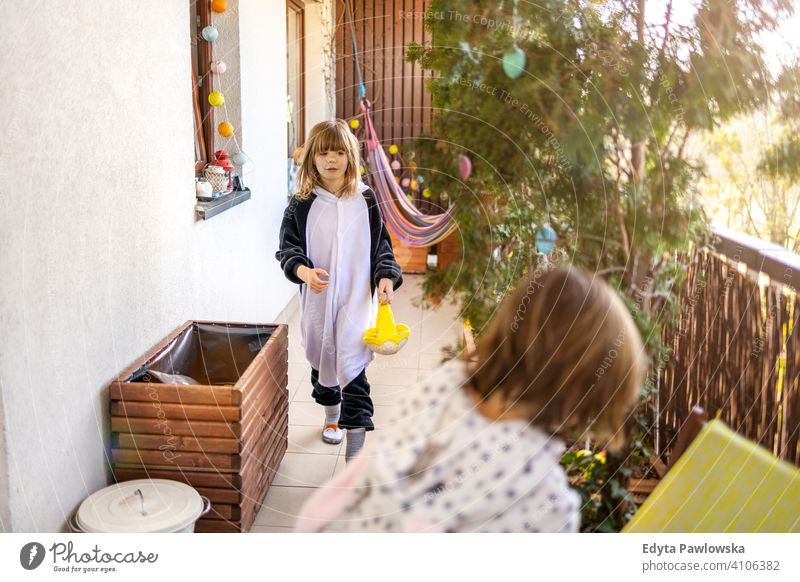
334 243
477 445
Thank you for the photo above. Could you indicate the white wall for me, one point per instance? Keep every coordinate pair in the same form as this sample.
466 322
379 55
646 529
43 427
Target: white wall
100 253
320 64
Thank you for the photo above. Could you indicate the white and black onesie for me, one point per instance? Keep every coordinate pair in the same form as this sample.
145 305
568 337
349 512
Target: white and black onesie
348 238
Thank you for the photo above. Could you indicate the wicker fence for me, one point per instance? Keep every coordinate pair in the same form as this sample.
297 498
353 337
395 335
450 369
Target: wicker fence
736 350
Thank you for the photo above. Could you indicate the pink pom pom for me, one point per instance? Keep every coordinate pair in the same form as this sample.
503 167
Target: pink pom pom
395 165
405 182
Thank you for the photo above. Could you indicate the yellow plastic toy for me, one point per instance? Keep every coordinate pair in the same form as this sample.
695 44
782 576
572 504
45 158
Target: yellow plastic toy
387 337
723 483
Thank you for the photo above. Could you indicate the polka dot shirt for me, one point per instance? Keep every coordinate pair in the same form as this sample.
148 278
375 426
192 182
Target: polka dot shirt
442 466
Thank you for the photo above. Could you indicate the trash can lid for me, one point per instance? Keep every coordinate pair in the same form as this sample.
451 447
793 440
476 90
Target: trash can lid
142 505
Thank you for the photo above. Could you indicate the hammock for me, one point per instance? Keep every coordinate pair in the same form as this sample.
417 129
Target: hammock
403 219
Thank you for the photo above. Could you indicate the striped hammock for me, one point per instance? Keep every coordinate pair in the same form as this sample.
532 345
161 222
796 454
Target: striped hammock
403 219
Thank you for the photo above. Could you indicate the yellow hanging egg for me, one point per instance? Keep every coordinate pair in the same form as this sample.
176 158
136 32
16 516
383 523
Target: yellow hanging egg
393 149
362 170
426 193
414 184
216 99
225 129
355 124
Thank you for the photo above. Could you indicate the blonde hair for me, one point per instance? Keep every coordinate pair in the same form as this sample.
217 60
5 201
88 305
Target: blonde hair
329 136
565 348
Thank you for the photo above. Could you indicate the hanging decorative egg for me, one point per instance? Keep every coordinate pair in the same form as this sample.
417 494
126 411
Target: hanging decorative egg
514 62
420 179
464 166
545 239
355 124
362 170
219 67
397 179
210 33
239 158
216 99
410 198
405 182
426 193
219 6
393 149
412 166
395 165
225 129
414 185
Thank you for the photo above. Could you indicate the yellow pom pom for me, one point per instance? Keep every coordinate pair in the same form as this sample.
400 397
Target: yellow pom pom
414 184
216 99
225 129
426 193
362 170
393 149
219 6
355 124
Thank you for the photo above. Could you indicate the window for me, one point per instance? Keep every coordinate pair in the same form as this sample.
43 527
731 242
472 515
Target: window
295 73
202 83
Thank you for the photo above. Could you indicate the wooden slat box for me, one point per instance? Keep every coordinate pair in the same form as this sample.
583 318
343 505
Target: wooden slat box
225 435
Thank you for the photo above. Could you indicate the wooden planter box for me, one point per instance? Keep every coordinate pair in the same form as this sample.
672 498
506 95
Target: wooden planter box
226 435
412 260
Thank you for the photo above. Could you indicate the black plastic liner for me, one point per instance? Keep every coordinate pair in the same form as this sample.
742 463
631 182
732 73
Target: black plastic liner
205 354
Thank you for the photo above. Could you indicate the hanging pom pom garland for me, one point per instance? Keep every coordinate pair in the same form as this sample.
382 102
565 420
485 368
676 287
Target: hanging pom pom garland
239 158
225 129
216 99
210 33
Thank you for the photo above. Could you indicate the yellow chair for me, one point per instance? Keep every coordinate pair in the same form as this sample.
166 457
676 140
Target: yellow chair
723 483
387 337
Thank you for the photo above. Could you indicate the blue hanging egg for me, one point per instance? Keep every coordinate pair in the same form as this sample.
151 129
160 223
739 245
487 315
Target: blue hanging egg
514 62
545 239
420 179
210 33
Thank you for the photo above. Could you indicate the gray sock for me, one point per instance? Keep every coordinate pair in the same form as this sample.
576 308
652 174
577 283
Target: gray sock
332 413
355 442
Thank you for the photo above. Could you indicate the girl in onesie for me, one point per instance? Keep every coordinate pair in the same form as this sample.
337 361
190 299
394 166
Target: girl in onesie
334 244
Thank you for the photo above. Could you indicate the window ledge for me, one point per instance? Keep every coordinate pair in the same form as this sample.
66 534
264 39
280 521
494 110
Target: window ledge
206 210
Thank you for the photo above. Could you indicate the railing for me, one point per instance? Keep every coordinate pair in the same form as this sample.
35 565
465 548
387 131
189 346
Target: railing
735 348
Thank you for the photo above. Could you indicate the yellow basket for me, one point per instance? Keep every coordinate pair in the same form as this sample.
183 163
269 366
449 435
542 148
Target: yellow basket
387 337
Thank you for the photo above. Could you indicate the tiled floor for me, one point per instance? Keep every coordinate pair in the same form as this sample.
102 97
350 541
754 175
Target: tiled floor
309 462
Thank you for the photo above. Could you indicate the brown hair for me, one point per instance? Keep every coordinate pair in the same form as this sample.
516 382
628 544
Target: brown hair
565 348
329 136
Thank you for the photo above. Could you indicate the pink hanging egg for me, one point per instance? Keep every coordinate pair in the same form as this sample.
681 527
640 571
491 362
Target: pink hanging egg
464 166
219 67
405 182
395 165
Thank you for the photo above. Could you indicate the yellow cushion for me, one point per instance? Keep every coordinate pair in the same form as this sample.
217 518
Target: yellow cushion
723 483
